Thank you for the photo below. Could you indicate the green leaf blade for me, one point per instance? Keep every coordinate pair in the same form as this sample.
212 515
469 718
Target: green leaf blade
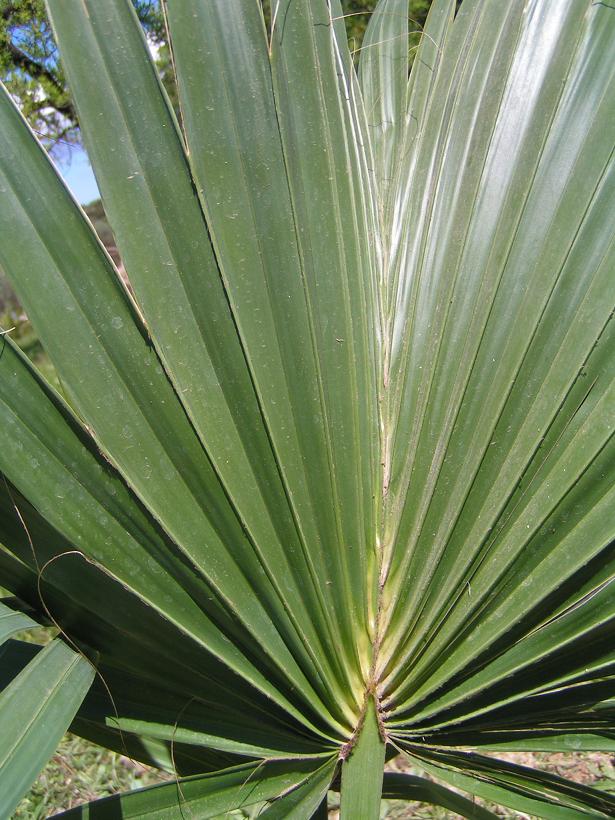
207 795
36 709
362 771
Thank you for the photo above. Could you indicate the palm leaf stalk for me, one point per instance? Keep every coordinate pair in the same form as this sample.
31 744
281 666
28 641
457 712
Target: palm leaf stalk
336 483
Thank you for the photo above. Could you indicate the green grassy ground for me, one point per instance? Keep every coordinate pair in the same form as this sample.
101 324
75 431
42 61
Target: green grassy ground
79 772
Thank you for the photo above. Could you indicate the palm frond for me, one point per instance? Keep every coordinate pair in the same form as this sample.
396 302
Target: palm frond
335 477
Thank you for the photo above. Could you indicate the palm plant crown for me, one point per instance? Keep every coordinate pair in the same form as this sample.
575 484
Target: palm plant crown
336 483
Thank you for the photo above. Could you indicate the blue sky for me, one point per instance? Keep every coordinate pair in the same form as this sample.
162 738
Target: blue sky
77 172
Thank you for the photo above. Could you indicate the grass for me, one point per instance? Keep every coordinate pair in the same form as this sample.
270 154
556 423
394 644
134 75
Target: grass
78 772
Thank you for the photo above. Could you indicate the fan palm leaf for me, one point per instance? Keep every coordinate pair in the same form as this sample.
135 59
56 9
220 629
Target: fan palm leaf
334 480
